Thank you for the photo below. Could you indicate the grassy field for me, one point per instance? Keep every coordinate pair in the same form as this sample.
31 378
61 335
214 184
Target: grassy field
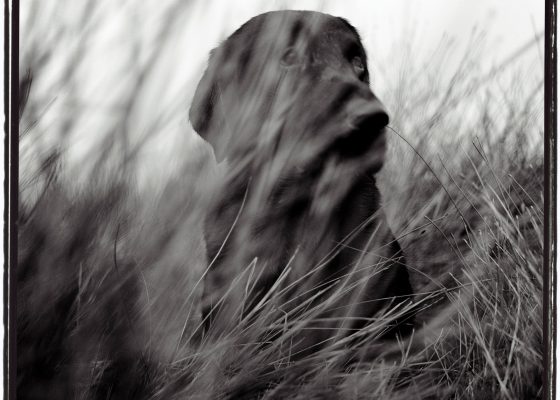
111 250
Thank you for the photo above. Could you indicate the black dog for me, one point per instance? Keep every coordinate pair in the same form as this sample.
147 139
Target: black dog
286 101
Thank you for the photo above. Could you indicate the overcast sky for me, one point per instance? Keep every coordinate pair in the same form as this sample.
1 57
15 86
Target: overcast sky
128 30
508 23
386 26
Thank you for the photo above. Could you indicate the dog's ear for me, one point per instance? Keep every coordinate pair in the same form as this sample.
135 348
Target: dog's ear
205 97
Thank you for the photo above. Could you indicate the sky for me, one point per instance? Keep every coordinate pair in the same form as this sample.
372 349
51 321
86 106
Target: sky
386 22
132 30
387 26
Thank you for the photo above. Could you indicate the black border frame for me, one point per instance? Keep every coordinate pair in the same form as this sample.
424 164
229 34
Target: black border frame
550 227
11 174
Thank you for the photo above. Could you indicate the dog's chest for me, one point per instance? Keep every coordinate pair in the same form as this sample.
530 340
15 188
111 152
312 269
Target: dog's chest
274 234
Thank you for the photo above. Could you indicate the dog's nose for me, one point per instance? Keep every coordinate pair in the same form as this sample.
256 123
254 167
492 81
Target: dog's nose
370 122
365 125
367 113
363 133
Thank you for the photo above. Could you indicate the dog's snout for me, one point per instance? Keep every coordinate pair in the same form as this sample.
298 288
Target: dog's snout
343 87
364 110
364 128
371 122
362 134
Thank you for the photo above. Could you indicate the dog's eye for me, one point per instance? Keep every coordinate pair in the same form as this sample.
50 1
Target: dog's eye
290 57
358 66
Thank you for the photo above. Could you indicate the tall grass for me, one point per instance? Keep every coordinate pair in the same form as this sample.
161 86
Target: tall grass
110 233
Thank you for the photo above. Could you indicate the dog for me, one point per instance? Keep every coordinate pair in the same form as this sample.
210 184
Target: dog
296 224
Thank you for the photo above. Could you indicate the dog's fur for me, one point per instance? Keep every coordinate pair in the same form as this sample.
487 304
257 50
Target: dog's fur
286 105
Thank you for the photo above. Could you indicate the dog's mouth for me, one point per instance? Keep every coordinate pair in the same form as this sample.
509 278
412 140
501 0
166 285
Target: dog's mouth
331 173
361 145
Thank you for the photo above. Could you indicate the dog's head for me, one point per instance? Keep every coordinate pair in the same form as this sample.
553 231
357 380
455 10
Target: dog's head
287 96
